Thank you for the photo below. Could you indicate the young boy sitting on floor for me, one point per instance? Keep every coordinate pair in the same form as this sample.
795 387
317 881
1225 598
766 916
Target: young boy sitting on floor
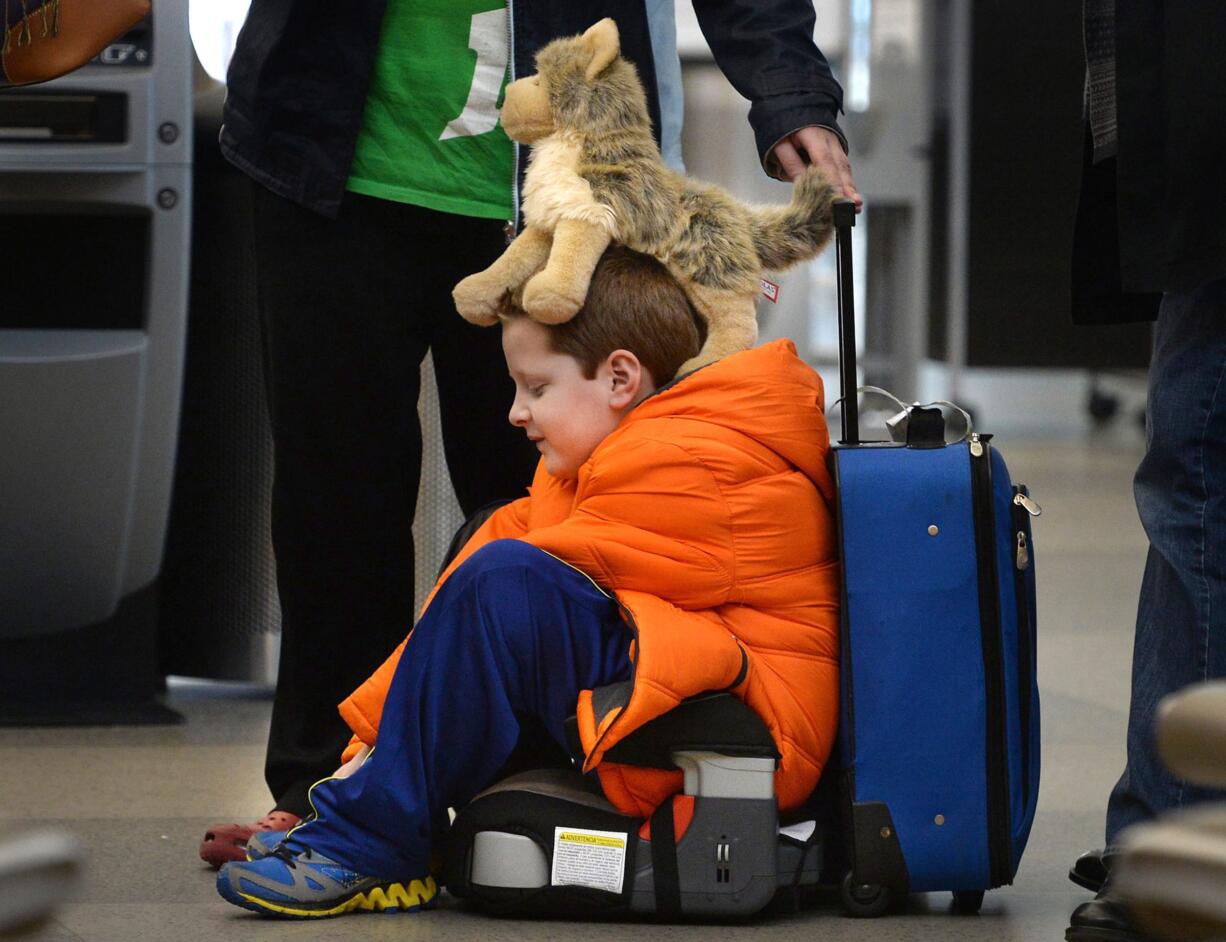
677 537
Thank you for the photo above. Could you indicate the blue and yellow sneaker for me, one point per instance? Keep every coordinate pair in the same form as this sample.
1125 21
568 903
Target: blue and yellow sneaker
297 883
262 843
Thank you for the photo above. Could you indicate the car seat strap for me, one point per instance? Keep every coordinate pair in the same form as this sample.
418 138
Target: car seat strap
664 861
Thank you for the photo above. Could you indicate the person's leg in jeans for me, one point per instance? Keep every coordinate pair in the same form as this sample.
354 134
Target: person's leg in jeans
514 634
348 306
1181 496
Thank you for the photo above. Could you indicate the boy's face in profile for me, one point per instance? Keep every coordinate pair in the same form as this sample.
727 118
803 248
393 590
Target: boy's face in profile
566 414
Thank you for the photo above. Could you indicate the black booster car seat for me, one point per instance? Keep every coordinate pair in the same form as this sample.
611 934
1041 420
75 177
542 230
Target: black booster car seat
547 841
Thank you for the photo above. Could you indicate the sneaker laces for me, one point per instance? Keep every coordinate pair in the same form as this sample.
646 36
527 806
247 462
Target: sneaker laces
287 855
291 847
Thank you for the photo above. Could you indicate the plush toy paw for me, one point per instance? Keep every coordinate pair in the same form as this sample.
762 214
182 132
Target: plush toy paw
477 298
549 300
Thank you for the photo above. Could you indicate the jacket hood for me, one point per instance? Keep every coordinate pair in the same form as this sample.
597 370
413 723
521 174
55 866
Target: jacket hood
767 394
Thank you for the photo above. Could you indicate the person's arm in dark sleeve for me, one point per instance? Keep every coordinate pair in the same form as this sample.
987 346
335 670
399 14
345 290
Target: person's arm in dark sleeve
766 50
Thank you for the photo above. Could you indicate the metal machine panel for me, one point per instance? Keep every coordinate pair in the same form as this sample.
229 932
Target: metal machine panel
94 230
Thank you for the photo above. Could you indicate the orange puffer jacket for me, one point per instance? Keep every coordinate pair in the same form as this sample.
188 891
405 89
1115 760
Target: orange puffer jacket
707 514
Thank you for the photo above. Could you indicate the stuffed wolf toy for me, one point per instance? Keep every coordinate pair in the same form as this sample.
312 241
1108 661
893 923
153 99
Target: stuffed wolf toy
595 176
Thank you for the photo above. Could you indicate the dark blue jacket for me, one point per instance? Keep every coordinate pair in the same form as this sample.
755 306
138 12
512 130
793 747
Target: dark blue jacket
297 84
1153 218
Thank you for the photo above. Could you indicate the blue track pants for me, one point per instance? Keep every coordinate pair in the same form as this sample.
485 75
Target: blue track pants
511 637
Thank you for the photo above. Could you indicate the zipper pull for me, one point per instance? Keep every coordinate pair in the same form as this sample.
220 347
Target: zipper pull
976 445
1023 552
1027 504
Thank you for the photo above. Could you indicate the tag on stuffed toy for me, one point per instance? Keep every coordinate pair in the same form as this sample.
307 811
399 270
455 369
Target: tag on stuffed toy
770 291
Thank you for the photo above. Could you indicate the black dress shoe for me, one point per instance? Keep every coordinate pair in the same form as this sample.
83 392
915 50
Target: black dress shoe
1103 919
1090 871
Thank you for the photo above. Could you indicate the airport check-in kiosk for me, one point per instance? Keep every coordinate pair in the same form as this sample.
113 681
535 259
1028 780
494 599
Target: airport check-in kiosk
95 172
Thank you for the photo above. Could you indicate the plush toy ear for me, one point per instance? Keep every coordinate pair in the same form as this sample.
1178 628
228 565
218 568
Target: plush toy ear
605 44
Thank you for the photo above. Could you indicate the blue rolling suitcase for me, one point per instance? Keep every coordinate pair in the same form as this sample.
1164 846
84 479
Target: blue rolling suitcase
939 729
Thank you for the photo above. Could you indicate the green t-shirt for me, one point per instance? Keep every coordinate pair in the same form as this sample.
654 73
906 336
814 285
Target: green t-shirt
430 133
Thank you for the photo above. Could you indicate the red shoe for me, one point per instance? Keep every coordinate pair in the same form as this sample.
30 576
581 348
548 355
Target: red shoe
226 842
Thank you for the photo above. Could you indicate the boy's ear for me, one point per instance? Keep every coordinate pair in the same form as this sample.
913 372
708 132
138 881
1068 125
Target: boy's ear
627 378
604 42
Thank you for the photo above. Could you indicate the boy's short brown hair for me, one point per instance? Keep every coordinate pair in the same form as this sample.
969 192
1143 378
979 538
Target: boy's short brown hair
633 304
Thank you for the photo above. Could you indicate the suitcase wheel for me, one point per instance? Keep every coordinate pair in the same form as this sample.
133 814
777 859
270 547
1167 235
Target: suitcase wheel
864 900
968 902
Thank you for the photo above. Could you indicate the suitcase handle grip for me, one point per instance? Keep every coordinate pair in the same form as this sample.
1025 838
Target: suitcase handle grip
844 220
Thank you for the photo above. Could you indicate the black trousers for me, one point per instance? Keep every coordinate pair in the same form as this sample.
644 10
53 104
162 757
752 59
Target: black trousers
350 307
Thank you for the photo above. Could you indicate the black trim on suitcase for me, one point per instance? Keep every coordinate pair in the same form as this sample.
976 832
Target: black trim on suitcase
877 856
845 671
1025 662
847 776
1000 852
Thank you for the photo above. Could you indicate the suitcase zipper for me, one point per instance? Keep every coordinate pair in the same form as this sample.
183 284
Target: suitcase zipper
999 838
1023 509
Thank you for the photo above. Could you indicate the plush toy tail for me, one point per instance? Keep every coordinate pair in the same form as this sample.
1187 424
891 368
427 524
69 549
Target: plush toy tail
785 235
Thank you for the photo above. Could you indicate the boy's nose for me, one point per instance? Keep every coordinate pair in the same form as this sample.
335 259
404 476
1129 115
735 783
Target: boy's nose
518 416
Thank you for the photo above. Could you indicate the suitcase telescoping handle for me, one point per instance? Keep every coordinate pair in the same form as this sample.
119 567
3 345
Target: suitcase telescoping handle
844 219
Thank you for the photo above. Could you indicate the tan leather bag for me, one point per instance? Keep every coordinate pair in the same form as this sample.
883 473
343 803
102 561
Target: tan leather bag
44 39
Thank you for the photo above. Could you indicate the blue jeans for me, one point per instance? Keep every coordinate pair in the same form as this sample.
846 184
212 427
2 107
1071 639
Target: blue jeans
511 637
1180 490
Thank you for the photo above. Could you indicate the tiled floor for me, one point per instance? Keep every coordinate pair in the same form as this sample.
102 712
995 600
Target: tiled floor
140 798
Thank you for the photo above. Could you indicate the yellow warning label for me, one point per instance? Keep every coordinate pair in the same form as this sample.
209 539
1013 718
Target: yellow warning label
582 857
592 839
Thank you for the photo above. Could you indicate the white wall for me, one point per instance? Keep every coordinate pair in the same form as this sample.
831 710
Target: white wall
214 26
